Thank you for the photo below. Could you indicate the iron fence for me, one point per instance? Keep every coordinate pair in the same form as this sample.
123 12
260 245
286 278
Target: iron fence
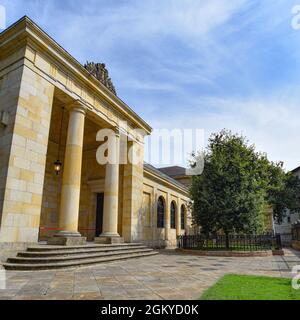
231 242
286 239
296 232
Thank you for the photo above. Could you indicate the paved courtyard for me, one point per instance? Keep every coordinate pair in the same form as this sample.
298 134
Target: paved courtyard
165 276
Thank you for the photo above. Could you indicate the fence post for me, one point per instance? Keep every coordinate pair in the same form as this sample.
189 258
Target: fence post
278 242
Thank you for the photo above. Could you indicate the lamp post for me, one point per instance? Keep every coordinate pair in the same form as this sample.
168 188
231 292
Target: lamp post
58 164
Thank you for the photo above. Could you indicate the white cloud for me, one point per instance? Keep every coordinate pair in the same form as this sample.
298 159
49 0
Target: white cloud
272 124
217 51
181 18
141 20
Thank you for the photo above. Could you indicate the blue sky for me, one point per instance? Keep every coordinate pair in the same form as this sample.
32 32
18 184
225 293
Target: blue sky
191 63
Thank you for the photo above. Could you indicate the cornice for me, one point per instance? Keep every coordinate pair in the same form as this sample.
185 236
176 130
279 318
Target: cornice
150 174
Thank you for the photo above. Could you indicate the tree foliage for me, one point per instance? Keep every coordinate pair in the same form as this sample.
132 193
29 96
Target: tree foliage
283 192
236 185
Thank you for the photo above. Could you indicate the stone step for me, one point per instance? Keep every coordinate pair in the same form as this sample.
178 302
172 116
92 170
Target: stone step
63 251
87 247
74 257
75 263
44 257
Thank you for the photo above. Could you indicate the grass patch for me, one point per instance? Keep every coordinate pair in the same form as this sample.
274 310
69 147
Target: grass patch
241 287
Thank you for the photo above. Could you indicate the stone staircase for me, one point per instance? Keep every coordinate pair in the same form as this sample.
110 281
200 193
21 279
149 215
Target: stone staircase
45 257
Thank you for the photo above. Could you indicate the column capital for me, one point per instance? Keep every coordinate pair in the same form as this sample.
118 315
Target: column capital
77 105
117 130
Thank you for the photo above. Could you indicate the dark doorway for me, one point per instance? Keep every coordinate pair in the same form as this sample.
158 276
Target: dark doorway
99 213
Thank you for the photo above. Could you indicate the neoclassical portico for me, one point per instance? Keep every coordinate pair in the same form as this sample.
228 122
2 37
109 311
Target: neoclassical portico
68 233
105 203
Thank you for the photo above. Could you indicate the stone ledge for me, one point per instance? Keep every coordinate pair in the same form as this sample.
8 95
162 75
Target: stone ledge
279 252
265 253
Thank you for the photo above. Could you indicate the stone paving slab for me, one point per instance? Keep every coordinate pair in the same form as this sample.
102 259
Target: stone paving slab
166 276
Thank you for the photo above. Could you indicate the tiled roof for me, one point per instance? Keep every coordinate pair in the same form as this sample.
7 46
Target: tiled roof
296 169
174 171
163 175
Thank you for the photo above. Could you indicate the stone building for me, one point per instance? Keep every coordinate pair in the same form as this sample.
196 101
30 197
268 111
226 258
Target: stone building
178 173
51 108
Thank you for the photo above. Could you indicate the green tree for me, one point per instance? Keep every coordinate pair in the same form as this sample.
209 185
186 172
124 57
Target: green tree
283 192
235 186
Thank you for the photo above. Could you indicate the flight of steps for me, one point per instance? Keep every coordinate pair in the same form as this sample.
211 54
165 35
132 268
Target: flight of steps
45 257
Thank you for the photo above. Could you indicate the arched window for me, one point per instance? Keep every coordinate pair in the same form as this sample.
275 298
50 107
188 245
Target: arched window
182 214
173 215
160 213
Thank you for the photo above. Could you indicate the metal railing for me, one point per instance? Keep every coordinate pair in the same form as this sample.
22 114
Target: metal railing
286 239
296 232
231 242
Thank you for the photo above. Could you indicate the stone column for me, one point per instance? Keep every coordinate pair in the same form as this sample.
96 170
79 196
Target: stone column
111 197
71 181
154 218
178 219
132 189
186 225
167 221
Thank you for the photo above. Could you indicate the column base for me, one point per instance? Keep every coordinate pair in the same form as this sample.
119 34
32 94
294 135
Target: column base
67 241
109 239
66 238
170 244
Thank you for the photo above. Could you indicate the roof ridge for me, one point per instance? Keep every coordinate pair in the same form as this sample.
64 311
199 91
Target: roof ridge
160 173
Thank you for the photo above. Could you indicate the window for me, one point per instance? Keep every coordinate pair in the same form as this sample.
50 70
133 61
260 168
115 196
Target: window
160 213
182 213
173 215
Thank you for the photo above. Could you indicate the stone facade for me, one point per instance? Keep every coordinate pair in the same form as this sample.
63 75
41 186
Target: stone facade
28 101
41 87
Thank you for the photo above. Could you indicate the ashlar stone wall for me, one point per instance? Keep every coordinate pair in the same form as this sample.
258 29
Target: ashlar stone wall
28 98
